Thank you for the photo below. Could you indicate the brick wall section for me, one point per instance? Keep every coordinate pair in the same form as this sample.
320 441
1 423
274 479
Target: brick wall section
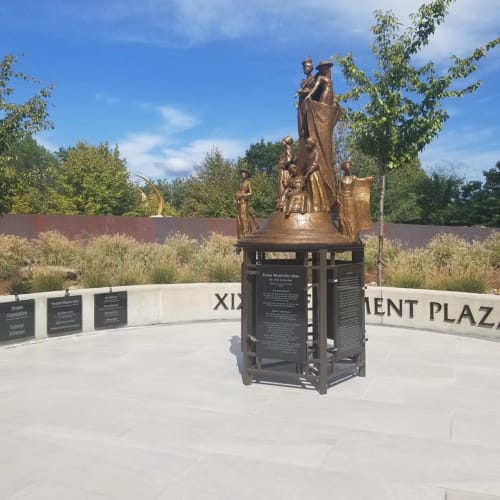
151 229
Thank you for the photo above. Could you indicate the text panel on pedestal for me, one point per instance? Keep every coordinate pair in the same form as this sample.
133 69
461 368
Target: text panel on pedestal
281 312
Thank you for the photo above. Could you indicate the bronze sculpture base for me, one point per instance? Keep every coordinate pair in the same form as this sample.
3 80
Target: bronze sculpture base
300 230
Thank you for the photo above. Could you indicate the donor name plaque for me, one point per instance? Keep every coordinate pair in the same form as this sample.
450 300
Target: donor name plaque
110 310
281 312
17 319
64 315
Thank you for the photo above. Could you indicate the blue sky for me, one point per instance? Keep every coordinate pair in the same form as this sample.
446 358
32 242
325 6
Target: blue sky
169 80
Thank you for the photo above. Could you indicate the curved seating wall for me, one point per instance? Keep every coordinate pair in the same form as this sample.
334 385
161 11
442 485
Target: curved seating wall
449 312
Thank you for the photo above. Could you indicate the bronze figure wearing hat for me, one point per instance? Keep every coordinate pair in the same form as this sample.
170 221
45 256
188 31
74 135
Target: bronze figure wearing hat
244 223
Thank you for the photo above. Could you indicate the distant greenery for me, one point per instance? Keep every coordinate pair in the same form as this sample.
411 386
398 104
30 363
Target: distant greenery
17 121
53 262
94 179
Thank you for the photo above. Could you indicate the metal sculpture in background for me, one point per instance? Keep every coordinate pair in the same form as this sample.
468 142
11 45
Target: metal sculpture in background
353 202
245 223
156 192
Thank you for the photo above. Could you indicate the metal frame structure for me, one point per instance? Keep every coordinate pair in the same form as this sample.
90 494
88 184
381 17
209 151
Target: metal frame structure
336 325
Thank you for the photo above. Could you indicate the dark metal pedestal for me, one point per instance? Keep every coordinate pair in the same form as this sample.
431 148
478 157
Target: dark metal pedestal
303 314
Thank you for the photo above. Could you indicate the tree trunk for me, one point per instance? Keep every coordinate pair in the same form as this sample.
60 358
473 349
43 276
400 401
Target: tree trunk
381 228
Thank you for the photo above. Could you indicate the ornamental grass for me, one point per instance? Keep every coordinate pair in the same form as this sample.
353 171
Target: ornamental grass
446 263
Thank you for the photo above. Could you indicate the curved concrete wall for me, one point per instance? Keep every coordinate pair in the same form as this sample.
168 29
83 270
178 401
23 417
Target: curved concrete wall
450 312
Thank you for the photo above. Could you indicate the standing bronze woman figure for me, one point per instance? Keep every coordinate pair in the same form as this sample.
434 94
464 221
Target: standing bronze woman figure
244 221
314 182
305 88
285 160
354 202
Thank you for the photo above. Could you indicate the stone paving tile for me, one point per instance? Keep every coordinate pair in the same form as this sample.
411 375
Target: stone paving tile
160 413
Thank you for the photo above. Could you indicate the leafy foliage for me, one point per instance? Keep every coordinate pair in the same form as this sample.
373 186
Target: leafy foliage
17 120
401 108
402 112
208 193
34 183
96 181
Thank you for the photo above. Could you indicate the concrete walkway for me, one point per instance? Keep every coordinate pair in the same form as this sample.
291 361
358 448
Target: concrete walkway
160 413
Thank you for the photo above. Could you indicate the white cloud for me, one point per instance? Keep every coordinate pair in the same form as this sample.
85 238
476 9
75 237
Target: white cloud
470 23
466 26
177 120
149 155
181 160
157 153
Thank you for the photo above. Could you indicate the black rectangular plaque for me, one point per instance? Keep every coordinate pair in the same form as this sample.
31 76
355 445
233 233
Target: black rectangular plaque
64 315
348 310
110 310
17 319
281 312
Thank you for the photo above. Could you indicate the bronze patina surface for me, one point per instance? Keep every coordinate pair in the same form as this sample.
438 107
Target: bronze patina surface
244 223
309 230
308 188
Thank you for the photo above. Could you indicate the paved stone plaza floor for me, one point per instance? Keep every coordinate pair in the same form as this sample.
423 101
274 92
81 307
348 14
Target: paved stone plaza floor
160 413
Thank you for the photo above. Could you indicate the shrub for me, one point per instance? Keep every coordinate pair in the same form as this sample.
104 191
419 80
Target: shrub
492 245
407 271
163 273
114 260
223 269
44 279
392 249
14 253
183 247
442 247
53 249
19 284
466 270
162 263
467 281
217 260
189 274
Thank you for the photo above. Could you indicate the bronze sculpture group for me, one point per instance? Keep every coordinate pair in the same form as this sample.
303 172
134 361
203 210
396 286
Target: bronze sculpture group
307 183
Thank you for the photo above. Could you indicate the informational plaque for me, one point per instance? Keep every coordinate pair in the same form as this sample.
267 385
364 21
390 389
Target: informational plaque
348 310
64 315
281 312
110 310
17 319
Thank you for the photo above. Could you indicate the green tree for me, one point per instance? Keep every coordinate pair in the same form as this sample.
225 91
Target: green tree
173 191
262 160
209 192
35 180
17 120
401 103
439 197
469 211
489 200
95 181
401 202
